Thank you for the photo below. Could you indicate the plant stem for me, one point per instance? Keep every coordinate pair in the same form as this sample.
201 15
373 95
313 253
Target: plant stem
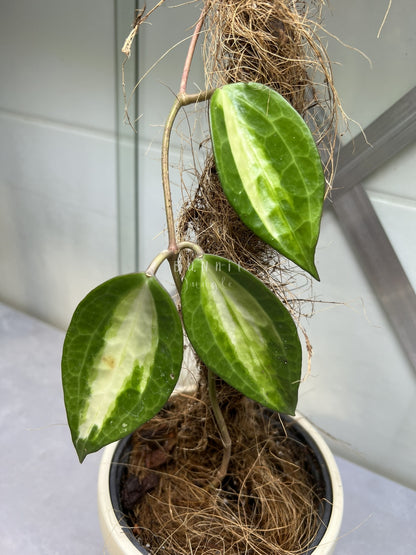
165 174
181 100
173 261
222 427
156 262
193 246
191 50
169 255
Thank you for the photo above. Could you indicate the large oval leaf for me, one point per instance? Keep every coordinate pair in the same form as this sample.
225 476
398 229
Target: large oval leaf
242 332
269 168
121 359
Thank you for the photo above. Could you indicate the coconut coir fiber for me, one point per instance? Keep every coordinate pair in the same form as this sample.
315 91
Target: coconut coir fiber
268 502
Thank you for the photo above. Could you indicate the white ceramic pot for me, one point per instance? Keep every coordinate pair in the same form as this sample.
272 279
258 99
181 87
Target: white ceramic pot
119 540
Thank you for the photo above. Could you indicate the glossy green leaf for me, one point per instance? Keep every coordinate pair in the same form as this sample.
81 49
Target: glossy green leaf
269 168
242 332
121 359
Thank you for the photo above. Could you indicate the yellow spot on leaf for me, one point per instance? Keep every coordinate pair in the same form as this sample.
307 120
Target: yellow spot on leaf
109 361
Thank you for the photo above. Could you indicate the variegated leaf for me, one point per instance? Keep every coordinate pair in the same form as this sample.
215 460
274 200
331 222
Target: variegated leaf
121 359
242 332
269 168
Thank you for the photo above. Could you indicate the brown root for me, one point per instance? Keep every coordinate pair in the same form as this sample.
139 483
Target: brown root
274 42
268 502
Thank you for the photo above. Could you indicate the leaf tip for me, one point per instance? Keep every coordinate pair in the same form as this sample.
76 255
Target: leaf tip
314 273
309 266
81 450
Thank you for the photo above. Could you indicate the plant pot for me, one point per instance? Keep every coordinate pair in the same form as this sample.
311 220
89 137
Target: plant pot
120 540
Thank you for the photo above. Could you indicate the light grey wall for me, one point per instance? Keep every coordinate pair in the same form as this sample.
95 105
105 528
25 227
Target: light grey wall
58 214
373 62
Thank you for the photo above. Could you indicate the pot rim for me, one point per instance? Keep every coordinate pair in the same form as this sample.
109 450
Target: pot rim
119 537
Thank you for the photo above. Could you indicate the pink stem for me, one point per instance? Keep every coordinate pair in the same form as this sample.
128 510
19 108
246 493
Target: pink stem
191 50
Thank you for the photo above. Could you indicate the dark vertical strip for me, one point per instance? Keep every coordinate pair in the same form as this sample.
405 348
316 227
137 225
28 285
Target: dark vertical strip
117 127
381 265
127 145
136 148
389 134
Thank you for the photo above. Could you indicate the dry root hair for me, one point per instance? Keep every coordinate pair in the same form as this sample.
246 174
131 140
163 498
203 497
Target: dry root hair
268 504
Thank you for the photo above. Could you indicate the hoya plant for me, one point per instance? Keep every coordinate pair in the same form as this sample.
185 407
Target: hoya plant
122 353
